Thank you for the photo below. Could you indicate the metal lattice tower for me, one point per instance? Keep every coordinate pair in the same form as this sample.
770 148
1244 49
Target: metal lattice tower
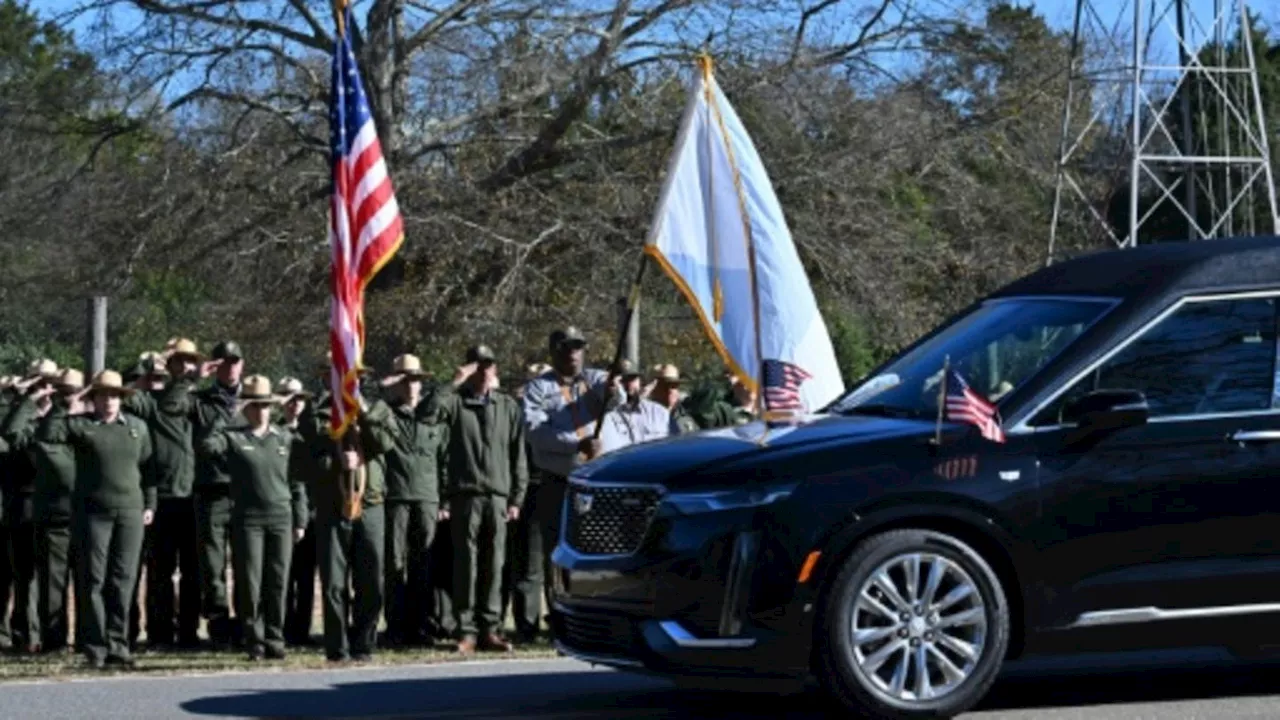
1163 120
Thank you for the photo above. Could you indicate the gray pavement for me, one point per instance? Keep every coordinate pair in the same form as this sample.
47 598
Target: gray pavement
1115 688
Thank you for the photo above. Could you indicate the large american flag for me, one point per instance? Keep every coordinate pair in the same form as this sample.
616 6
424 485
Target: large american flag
966 406
365 226
782 381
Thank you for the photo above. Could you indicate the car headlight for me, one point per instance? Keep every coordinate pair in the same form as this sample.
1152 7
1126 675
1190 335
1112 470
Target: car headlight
738 498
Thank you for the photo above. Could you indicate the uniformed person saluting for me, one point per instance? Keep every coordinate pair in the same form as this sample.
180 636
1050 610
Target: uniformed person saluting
112 507
414 467
166 408
19 511
486 480
269 514
52 503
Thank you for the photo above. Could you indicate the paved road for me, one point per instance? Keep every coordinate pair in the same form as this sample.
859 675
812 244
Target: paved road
569 690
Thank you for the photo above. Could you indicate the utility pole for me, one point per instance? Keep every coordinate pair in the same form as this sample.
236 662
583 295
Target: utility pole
631 331
95 350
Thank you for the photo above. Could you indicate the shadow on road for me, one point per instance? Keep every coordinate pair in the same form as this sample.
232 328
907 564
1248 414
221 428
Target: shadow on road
610 696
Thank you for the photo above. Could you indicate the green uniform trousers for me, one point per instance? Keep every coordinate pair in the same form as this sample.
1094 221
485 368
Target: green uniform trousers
534 539
6 585
109 543
261 554
411 528
53 574
213 520
24 623
352 549
173 549
479 541
300 595
440 621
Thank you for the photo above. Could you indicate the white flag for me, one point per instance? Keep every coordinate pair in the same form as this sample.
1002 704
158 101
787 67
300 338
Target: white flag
720 235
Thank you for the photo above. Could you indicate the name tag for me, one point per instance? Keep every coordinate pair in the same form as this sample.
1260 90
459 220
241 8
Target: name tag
246 447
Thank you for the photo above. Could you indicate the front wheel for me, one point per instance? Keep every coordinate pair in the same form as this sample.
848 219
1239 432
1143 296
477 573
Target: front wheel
916 626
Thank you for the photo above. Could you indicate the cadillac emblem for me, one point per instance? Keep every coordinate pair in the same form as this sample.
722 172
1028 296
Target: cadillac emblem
582 503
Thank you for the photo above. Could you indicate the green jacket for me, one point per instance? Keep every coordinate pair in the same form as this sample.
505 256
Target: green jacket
110 458
54 464
19 467
262 489
324 453
485 452
168 414
207 409
415 459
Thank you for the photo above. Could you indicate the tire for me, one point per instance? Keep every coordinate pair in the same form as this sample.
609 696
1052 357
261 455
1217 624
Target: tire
867 691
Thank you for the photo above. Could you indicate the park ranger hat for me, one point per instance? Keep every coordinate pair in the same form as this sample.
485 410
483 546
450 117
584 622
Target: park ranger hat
667 373
407 367
182 347
256 389
289 388
70 381
109 382
44 368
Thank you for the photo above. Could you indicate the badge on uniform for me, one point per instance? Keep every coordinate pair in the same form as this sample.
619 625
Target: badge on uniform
133 433
282 451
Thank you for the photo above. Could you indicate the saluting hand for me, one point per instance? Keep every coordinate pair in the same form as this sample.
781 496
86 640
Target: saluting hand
209 367
463 372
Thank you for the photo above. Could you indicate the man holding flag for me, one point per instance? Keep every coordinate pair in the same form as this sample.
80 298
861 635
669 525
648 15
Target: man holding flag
365 231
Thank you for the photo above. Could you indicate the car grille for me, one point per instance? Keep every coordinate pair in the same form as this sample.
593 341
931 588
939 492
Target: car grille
609 520
605 634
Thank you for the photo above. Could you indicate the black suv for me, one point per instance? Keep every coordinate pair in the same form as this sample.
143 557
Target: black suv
900 561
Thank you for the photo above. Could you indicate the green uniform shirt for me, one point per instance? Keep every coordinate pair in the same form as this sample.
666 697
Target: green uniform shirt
207 409
486 447
262 489
168 413
415 460
19 468
109 460
55 464
314 428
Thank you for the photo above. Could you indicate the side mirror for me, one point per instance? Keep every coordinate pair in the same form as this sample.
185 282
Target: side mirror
1107 410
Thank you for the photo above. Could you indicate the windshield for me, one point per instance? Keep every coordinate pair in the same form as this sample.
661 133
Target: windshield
995 349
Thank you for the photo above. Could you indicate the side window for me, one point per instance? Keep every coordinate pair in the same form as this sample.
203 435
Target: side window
1207 357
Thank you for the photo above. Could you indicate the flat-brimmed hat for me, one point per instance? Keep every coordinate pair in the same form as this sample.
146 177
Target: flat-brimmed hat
407 367
479 354
289 388
44 368
182 347
109 382
256 389
70 380
667 373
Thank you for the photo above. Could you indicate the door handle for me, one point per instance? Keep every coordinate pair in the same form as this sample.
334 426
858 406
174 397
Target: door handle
1256 436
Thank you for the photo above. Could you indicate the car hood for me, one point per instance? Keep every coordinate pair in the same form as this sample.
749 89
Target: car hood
661 460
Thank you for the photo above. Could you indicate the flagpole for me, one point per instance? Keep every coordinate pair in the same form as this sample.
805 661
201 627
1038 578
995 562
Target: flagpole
633 299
